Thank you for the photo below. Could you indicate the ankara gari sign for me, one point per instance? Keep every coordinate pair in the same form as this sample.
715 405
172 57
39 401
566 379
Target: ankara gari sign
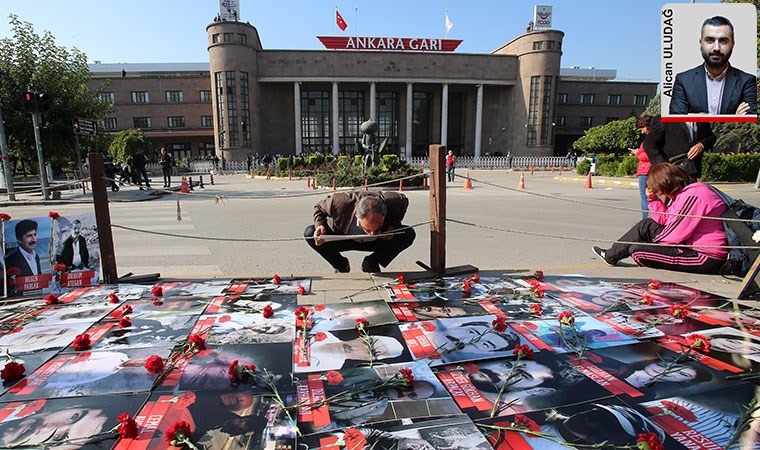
389 43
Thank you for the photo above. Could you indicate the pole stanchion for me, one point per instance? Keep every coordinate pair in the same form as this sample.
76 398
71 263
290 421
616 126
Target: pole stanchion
438 208
102 218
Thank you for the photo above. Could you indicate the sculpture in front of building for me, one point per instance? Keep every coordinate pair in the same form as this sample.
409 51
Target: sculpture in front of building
370 149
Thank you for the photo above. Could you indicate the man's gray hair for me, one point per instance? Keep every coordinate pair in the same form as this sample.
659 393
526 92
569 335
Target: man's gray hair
370 204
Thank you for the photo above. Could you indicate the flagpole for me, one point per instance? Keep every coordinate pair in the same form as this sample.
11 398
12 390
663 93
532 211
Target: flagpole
446 24
335 19
356 28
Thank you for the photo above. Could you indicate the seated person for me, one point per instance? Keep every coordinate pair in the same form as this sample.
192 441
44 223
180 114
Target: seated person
669 183
357 214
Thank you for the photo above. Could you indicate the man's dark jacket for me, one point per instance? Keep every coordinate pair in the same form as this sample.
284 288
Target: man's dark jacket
337 210
690 92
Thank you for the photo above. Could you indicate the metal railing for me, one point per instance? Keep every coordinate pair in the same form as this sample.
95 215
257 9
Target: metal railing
503 162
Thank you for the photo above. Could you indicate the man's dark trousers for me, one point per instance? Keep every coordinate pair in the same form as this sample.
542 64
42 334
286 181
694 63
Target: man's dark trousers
383 252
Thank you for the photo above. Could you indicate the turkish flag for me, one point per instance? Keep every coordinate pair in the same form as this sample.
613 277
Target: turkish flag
339 20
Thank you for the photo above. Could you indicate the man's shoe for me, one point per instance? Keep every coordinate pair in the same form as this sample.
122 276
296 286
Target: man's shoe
370 265
602 254
344 269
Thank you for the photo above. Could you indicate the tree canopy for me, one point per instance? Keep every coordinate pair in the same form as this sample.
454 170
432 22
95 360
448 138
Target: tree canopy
127 142
30 60
613 137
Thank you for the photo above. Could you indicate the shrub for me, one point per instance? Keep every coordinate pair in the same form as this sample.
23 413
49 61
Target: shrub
583 167
297 161
627 167
390 161
329 159
358 160
314 161
282 163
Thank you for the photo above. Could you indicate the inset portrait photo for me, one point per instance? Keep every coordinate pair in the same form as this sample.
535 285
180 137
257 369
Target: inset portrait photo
709 62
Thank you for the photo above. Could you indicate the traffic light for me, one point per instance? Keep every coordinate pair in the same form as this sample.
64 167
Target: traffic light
30 100
43 102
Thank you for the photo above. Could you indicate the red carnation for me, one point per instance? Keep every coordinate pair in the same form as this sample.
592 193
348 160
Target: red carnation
249 368
319 307
698 342
113 298
400 279
466 286
53 215
276 279
649 441
408 376
154 364
334 378
535 309
125 322
126 309
157 291
178 433
319 336
4 217
523 351
538 275
354 439
500 324
302 312
232 371
653 284
128 427
52 299
475 278
679 311
12 371
566 318
196 342
13 271
301 290
60 267
82 342
534 284
362 323
538 292
646 299
526 423
267 312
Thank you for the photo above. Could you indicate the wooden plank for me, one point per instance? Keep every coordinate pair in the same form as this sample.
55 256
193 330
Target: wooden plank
102 217
438 208
749 287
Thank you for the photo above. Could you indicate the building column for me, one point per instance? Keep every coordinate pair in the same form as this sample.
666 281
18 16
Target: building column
478 119
372 100
297 115
409 117
444 113
335 113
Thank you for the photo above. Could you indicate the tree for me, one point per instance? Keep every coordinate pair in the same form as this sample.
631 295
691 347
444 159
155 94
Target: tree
126 143
616 136
654 107
30 60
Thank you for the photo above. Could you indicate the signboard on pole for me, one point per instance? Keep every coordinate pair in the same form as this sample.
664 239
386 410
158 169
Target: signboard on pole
85 127
542 16
229 10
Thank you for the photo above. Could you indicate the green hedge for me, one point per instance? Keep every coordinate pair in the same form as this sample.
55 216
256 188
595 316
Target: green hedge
715 167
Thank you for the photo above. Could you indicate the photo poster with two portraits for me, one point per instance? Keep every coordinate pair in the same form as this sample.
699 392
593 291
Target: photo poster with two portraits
687 49
33 247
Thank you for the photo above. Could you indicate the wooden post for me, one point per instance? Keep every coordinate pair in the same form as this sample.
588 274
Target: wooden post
438 208
102 218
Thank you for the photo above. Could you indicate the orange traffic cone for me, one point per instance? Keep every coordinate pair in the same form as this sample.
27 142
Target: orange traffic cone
560 170
552 169
335 184
424 183
467 182
308 182
366 185
184 189
531 169
522 182
588 181
401 185
314 183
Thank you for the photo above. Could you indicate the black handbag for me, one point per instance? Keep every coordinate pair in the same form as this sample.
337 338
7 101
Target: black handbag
685 163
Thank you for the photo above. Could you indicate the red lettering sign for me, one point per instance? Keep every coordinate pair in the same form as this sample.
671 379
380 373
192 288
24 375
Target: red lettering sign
390 43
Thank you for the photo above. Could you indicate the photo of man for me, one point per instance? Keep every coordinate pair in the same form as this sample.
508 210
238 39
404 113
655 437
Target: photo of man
74 253
342 316
24 257
722 38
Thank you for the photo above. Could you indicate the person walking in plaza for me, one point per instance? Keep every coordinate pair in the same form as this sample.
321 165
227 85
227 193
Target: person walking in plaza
167 162
450 160
138 163
682 144
642 124
360 216
689 205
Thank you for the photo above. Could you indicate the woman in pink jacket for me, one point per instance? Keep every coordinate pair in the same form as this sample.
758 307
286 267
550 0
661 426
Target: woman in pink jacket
671 185
642 124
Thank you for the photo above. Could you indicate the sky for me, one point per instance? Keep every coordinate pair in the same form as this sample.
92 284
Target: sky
605 34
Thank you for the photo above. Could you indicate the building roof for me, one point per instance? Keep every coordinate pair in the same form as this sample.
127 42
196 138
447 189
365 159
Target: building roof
141 68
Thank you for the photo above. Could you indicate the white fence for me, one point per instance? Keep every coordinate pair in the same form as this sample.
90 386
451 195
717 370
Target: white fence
503 162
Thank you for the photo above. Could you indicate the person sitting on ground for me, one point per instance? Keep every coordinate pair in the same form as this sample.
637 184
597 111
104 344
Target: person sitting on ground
671 190
360 213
